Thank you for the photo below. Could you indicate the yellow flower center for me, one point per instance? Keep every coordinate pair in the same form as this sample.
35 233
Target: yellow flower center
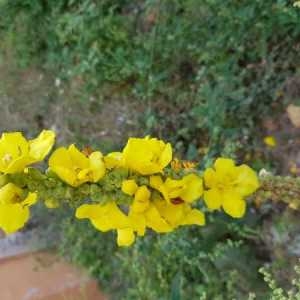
227 183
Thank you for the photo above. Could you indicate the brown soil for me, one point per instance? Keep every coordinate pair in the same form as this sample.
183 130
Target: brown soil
32 100
42 276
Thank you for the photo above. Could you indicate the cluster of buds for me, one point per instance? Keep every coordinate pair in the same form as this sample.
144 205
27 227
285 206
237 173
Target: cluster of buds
138 189
284 189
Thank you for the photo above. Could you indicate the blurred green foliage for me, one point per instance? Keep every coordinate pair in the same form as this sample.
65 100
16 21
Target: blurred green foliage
208 71
191 263
206 74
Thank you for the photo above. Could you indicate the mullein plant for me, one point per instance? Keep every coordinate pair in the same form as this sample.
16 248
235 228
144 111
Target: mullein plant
131 191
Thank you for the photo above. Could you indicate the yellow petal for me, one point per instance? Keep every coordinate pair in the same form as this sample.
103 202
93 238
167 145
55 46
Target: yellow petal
174 187
139 206
234 205
10 194
194 217
92 211
157 183
141 200
193 188
223 164
84 175
97 166
30 199
41 146
213 199
247 181
61 164
210 178
129 187
155 221
173 214
79 160
13 147
270 141
103 217
146 155
13 217
18 165
102 224
113 160
60 157
66 175
116 217
13 143
126 237
166 156
138 223
142 194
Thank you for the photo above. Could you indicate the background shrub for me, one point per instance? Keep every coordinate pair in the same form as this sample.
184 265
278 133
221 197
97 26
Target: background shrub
208 72
202 74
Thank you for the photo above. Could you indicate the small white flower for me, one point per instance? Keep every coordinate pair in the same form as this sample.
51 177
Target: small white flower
264 173
57 82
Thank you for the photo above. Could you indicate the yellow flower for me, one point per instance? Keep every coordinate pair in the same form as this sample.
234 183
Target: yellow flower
179 214
228 185
270 141
75 168
114 160
129 187
141 200
149 217
147 155
14 210
104 217
108 217
16 153
142 213
126 237
187 189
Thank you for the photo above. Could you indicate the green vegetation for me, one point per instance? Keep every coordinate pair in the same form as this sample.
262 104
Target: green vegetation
203 75
203 70
220 261
211 263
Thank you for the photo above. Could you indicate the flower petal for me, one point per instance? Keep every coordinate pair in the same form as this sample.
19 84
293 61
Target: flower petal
113 160
41 146
247 181
61 164
13 153
10 193
30 199
155 221
194 217
193 189
210 178
234 205
126 237
79 160
138 223
97 166
91 211
13 217
213 199
223 164
129 187
166 156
